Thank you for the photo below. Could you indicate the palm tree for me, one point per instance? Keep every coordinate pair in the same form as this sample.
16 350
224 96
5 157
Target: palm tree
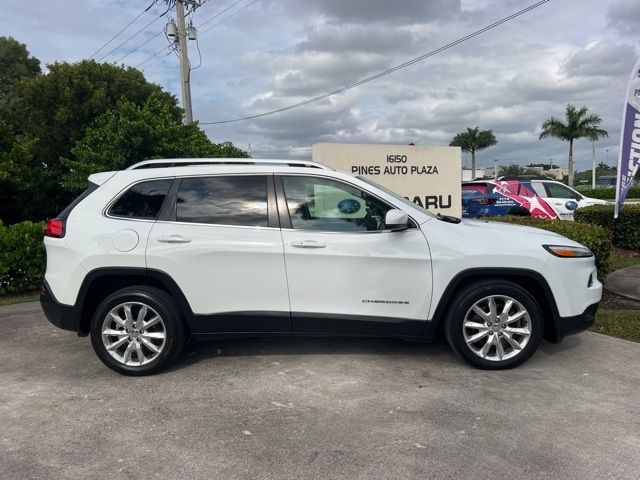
579 124
473 140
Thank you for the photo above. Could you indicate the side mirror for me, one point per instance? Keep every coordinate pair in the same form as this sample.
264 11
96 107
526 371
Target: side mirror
396 220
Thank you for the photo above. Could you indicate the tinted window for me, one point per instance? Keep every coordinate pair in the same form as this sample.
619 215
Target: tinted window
555 190
478 187
143 200
67 211
322 204
239 200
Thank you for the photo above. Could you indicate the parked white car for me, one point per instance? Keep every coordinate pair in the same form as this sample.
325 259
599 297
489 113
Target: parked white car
171 249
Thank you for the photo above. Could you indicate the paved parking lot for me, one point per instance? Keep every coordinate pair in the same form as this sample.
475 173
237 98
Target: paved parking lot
315 408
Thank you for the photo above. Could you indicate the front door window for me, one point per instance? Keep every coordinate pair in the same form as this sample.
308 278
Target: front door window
326 205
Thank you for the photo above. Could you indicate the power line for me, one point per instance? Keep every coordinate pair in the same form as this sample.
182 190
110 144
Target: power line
138 32
200 33
125 27
158 59
228 17
385 72
220 13
139 46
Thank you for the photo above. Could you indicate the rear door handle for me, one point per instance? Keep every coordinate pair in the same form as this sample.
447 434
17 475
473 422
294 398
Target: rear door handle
174 239
307 244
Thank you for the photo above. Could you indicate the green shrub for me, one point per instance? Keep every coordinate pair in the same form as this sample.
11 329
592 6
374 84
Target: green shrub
595 238
22 257
625 229
608 193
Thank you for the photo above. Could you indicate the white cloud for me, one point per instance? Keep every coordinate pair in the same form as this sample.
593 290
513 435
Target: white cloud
279 52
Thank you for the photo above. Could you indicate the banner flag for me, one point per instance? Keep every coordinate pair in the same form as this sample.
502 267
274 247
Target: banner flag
629 155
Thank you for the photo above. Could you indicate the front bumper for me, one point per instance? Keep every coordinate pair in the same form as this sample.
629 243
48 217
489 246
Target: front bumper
66 317
570 325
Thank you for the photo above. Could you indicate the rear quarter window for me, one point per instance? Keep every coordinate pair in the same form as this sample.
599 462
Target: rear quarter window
65 213
143 200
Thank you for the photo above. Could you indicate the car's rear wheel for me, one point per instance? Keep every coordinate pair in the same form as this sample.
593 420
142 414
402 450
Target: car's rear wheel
137 331
494 325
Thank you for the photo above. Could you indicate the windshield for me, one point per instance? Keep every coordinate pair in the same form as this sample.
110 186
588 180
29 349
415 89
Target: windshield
400 198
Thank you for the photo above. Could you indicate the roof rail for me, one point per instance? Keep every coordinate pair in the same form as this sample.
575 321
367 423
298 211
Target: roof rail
507 178
177 162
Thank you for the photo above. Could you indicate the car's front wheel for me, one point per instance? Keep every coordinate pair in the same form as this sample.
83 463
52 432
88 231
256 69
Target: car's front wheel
494 325
137 331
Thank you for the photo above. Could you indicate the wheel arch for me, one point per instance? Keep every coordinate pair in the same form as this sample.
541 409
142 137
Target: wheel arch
530 280
519 211
101 282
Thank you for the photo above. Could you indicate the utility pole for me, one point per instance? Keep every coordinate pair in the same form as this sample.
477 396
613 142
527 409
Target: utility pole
184 63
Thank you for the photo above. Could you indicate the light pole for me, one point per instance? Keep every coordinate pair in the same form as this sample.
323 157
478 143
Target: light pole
607 150
495 168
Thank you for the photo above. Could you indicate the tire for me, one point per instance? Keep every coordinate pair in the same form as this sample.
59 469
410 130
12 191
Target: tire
462 318
137 348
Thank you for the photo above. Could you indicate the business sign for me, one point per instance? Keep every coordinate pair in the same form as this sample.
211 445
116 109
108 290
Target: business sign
629 156
428 176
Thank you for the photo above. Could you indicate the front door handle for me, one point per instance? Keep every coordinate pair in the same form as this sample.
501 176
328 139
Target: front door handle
307 244
174 239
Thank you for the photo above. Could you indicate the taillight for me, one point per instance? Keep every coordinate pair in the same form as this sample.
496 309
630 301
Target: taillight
54 228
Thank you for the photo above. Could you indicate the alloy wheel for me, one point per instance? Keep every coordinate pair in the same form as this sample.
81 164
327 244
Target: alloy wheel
134 334
497 328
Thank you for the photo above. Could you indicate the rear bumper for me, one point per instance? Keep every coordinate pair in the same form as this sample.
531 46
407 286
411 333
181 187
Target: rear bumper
66 317
570 325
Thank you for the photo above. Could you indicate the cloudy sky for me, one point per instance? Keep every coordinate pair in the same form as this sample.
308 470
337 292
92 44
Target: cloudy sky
273 53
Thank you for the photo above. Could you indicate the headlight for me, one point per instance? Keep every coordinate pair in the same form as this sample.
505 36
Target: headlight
568 252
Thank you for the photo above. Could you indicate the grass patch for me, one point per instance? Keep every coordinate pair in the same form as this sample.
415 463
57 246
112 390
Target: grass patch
24 297
623 324
617 262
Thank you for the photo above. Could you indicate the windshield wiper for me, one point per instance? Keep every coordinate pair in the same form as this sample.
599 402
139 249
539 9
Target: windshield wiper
448 218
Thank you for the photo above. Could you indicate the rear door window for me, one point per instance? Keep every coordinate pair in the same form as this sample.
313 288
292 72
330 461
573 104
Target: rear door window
239 200
143 200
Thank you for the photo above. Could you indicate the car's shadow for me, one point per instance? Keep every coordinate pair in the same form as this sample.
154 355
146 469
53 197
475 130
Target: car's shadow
436 351
198 351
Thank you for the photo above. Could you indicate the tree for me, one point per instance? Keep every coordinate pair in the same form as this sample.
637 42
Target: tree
50 114
55 109
16 64
16 175
579 123
473 140
131 133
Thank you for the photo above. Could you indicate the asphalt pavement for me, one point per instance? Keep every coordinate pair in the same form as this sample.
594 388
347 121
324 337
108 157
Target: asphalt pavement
315 409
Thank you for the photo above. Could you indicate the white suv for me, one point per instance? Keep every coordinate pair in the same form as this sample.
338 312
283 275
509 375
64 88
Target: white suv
174 249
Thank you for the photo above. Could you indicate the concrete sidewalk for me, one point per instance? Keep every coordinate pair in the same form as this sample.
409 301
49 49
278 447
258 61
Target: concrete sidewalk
295 408
625 282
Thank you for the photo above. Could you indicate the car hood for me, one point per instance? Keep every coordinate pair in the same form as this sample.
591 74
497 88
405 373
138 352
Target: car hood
595 201
508 227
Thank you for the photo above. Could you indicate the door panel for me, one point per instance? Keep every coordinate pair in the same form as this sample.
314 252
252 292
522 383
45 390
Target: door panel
360 279
562 199
385 278
230 275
